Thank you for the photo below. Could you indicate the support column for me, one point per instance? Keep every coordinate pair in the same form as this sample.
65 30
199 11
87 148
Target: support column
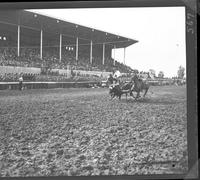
91 52
103 62
114 55
124 55
41 42
60 52
18 41
77 49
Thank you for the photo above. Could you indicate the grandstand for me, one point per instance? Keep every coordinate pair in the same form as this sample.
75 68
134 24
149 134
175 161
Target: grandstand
38 45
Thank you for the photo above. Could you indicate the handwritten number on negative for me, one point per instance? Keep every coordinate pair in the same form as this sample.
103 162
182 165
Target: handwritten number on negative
190 23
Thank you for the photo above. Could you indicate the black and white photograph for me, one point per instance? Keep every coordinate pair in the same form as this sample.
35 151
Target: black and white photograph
93 91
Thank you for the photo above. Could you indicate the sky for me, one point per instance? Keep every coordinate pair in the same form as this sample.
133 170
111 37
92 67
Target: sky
159 30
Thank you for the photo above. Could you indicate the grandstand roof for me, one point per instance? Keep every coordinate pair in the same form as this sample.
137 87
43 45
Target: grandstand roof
56 26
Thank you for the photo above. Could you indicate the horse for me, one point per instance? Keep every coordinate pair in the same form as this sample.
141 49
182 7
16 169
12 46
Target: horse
138 86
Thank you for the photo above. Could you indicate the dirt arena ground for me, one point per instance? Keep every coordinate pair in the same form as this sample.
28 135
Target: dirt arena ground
53 132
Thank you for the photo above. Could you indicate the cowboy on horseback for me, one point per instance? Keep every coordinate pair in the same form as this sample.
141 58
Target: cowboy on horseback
110 79
116 76
113 79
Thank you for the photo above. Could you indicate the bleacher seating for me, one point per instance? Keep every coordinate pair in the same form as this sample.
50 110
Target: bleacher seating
30 57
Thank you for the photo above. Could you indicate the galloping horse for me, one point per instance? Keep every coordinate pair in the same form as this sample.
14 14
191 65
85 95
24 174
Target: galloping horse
138 86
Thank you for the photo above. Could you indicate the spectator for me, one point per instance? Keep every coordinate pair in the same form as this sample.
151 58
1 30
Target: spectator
20 82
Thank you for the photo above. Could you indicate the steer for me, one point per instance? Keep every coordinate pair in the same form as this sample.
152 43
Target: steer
117 91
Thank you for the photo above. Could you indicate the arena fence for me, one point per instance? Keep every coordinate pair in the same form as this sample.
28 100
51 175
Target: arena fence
46 85
86 84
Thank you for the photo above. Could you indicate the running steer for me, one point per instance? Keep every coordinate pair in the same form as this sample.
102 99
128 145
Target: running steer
117 91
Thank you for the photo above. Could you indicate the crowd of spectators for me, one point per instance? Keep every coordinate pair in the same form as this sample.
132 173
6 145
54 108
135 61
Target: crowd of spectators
30 57
27 77
9 77
13 77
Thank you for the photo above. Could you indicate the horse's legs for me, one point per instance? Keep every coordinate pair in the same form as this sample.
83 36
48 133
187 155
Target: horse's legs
131 94
146 92
138 94
112 96
120 97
